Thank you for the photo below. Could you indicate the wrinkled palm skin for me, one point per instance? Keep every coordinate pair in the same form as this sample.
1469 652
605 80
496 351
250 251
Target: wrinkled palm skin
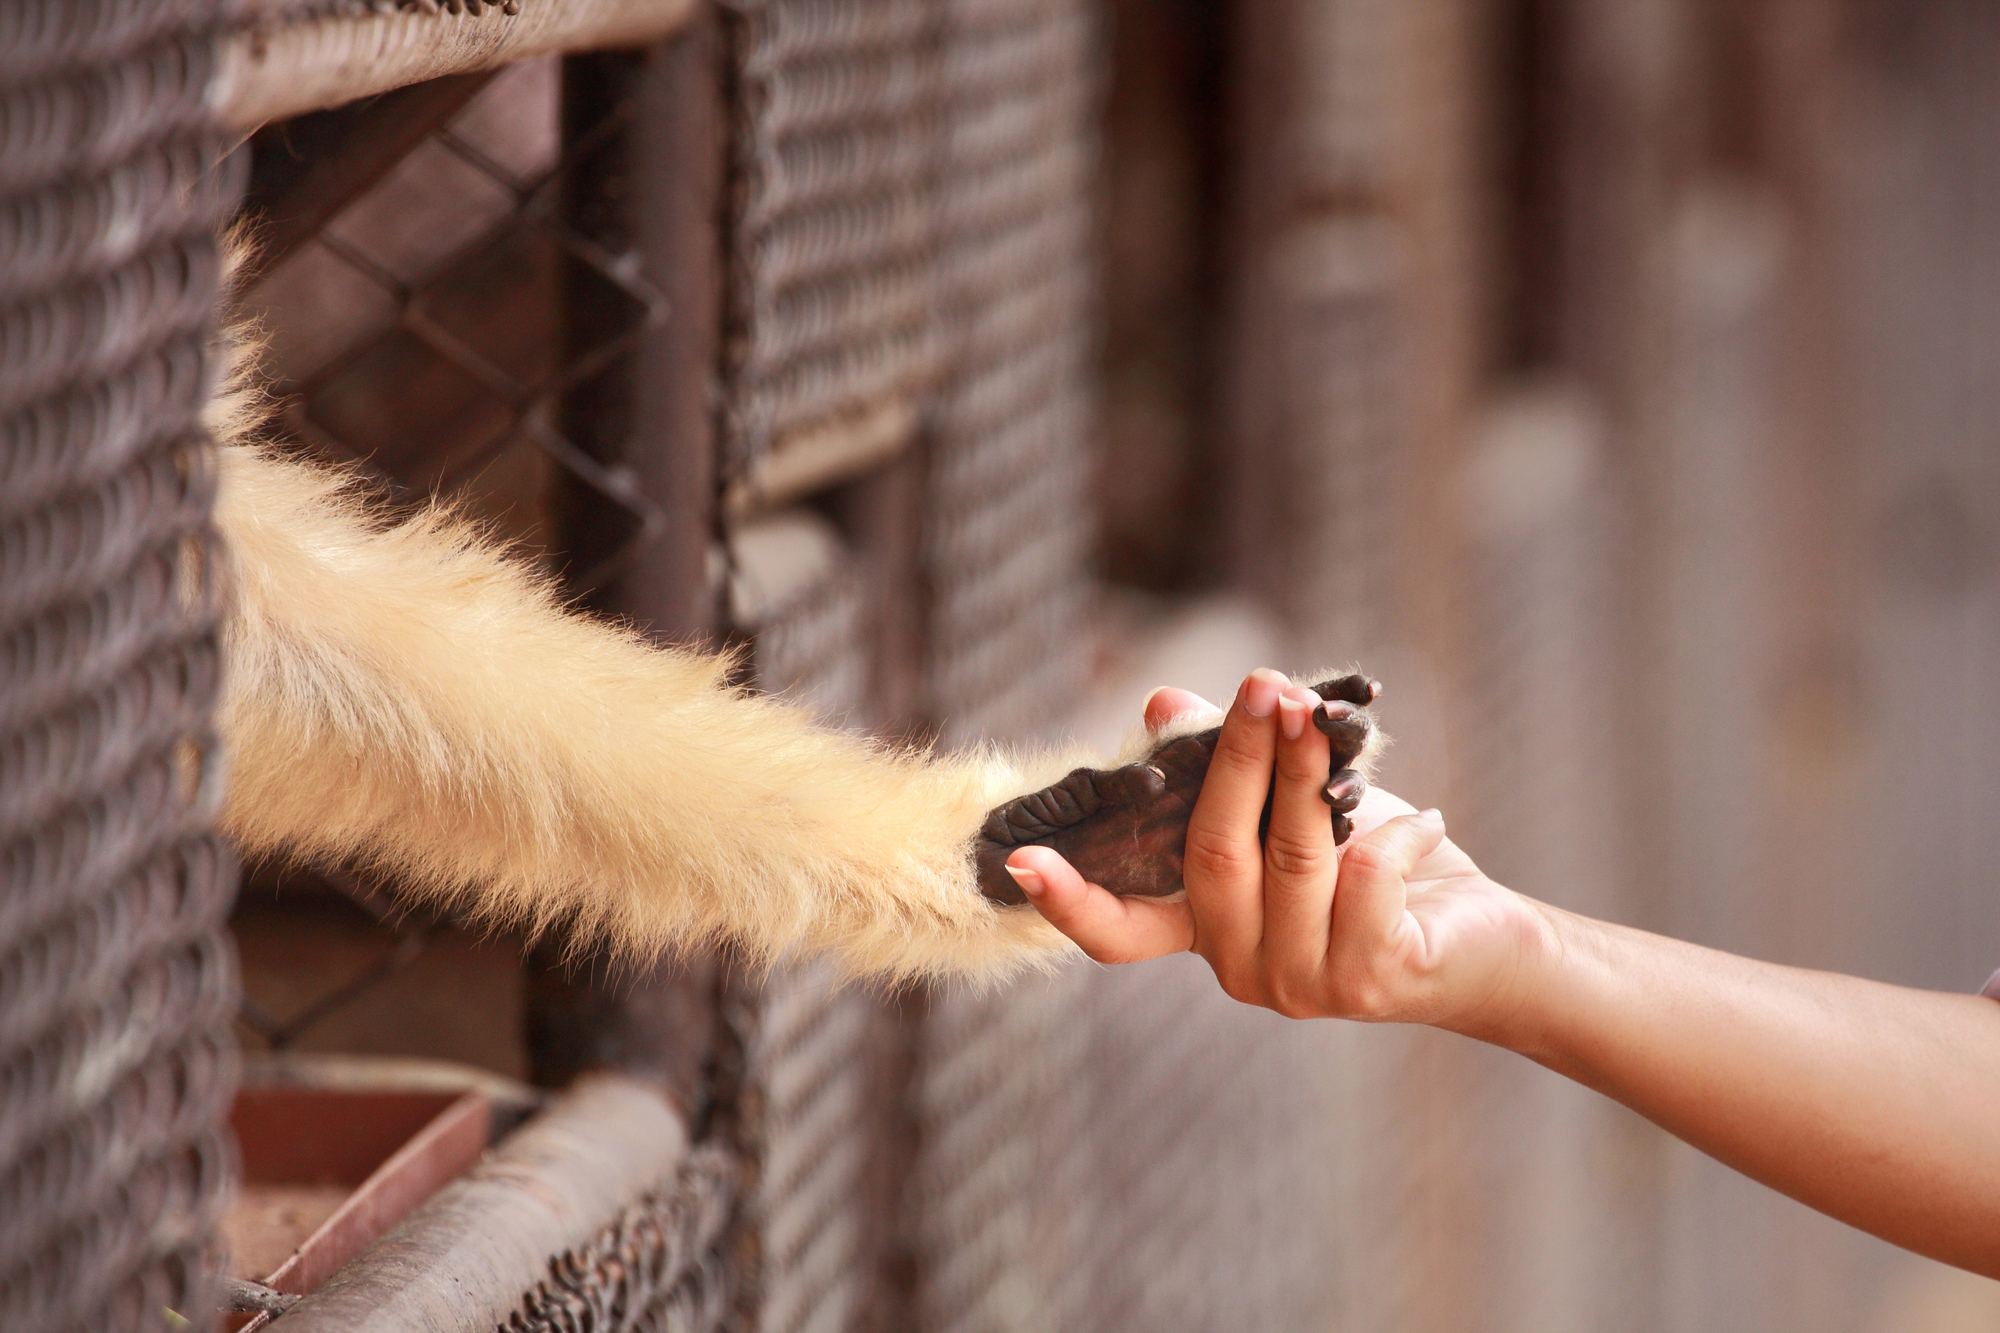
1126 828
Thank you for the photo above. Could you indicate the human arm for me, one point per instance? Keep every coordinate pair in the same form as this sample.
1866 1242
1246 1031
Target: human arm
1877 1104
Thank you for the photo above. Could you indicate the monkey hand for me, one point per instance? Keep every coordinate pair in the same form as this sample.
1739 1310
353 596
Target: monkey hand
1126 828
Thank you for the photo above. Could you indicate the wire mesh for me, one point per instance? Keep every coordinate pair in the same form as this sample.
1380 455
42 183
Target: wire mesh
1009 535
421 331
912 223
803 1119
416 331
117 985
833 246
806 1136
658 1267
1007 552
432 330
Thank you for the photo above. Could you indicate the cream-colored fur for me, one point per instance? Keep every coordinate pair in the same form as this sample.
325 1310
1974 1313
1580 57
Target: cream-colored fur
404 697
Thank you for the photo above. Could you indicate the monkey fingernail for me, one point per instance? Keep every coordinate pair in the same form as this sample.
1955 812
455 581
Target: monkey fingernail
1355 689
1343 829
1346 726
1030 881
1343 791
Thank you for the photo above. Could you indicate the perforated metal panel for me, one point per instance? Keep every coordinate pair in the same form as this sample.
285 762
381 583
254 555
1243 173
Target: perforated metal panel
1010 532
912 224
117 987
805 1116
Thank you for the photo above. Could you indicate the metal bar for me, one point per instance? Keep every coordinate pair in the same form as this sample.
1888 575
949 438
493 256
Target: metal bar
451 1142
270 72
883 514
464 1259
823 456
650 200
655 197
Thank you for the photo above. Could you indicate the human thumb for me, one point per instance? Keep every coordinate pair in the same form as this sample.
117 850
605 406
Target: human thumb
1370 896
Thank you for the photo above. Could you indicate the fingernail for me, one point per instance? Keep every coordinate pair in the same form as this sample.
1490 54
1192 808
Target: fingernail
1293 711
1434 815
1261 690
1030 882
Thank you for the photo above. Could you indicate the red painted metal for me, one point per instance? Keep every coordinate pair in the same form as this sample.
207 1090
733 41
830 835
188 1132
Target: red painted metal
399 1147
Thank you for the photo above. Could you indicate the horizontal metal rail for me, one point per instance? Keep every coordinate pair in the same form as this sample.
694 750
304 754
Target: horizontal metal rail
280 65
466 1257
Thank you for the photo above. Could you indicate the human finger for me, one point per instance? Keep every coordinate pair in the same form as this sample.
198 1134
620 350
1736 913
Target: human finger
1108 928
1168 705
1372 893
1223 864
1377 808
1299 855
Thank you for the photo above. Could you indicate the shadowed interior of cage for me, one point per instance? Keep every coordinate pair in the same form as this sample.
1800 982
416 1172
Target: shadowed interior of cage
435 273
116 984
411 330
421 301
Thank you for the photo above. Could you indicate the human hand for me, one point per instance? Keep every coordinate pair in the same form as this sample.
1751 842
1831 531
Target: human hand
1398 926
1126 827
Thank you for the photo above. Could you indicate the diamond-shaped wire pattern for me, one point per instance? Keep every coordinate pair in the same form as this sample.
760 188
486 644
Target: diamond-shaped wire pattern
432 329
422 330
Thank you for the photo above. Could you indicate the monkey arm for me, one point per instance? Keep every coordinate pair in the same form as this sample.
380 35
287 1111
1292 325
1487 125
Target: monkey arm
402 697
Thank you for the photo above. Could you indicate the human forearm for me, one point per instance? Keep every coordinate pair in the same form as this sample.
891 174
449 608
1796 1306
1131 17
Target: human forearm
1876 1104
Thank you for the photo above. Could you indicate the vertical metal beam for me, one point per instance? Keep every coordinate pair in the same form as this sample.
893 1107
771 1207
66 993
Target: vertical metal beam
882 515
654 198
651 197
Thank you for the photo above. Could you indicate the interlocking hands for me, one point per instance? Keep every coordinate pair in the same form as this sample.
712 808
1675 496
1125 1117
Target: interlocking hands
1126 828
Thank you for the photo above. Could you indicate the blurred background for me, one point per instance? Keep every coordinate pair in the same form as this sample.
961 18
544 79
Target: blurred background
1614 379
1619 383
